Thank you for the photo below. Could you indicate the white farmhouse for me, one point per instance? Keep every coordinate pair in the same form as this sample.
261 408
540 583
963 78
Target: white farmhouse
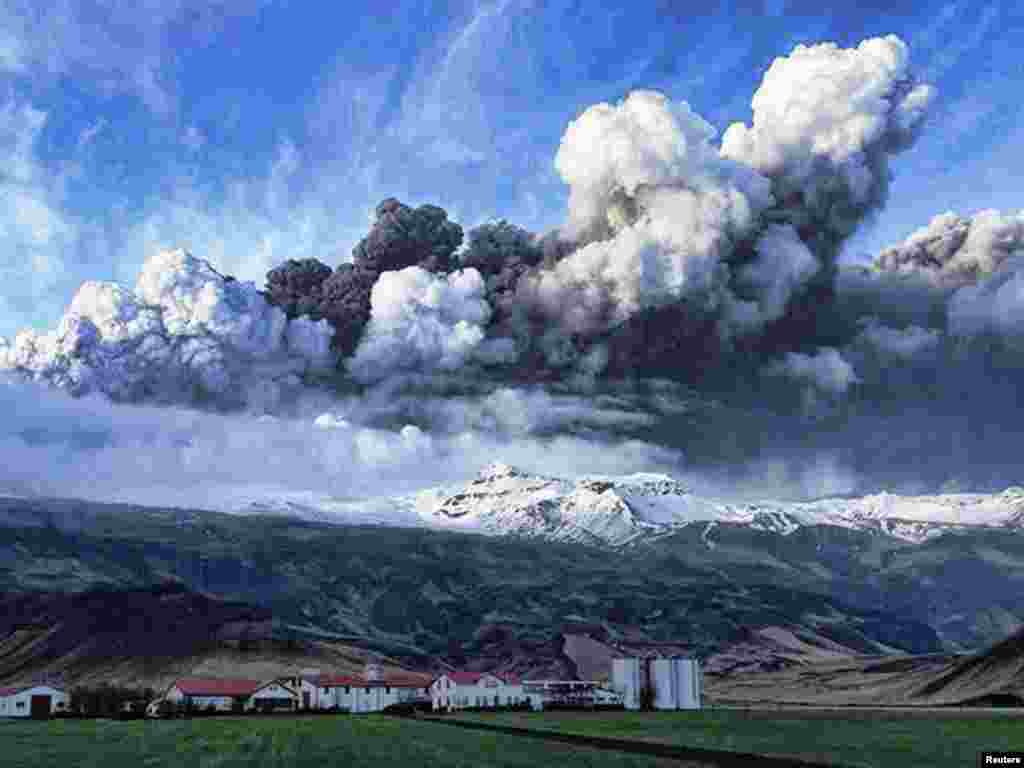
305 688
230 695
38 701
273 697
202 693
370 692
458 690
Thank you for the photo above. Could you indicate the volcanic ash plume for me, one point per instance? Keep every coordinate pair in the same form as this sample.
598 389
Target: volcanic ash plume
401 237
977 261
826 120
675 249
666 218
660 209
955 251
185 332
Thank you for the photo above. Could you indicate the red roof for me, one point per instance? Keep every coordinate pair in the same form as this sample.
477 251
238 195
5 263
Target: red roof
13 689
212 686
392 681
275 682
472 678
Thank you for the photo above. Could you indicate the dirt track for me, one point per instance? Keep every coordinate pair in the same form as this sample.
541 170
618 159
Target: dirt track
818 712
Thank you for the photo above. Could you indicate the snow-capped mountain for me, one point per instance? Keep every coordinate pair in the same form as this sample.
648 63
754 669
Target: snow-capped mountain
616 510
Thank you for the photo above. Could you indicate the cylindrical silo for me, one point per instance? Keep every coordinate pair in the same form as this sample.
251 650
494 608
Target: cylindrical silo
626 680
664 680
688 683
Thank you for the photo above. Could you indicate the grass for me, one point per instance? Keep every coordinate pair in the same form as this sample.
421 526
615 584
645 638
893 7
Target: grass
889 740
372 740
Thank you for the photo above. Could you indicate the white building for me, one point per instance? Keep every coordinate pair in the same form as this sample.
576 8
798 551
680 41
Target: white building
202 693
370 692
273 697
676 682
305 689
39 701
229 695
458 690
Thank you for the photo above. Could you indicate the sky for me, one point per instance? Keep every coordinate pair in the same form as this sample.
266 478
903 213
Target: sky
713 176
255 131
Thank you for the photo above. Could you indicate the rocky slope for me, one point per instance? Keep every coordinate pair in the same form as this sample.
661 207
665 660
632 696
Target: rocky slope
151 636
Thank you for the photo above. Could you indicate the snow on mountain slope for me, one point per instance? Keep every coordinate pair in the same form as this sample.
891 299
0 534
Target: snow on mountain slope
617 510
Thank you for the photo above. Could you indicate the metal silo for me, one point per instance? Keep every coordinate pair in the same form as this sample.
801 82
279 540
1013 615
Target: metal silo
626 680
687 676
676 683
663 678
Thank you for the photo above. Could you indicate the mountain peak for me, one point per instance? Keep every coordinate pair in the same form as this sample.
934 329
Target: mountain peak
497 469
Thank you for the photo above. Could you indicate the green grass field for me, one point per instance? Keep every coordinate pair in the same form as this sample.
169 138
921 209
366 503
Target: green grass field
939 741
377 741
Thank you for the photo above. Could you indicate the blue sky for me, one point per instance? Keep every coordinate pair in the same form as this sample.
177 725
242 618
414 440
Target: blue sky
252 132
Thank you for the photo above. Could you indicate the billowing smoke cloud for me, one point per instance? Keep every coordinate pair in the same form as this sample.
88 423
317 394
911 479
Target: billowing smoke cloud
401 237
954 251
826 120
689 307
421 322
976 263
185 333
721 244
657 208
725 240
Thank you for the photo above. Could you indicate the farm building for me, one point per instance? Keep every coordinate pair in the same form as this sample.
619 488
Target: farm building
370 692
229 695
674 682
304 686
273 697
572 693
458 690
38 701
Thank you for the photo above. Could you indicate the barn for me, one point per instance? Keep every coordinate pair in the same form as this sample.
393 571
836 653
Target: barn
37 701
458 690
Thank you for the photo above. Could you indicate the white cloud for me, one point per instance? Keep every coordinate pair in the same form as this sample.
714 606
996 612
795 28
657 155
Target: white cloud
184 334
421 322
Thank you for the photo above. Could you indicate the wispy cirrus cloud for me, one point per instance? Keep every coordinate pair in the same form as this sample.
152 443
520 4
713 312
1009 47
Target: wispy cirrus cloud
132 47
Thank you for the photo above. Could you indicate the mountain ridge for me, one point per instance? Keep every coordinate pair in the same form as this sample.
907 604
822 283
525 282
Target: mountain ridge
620 510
